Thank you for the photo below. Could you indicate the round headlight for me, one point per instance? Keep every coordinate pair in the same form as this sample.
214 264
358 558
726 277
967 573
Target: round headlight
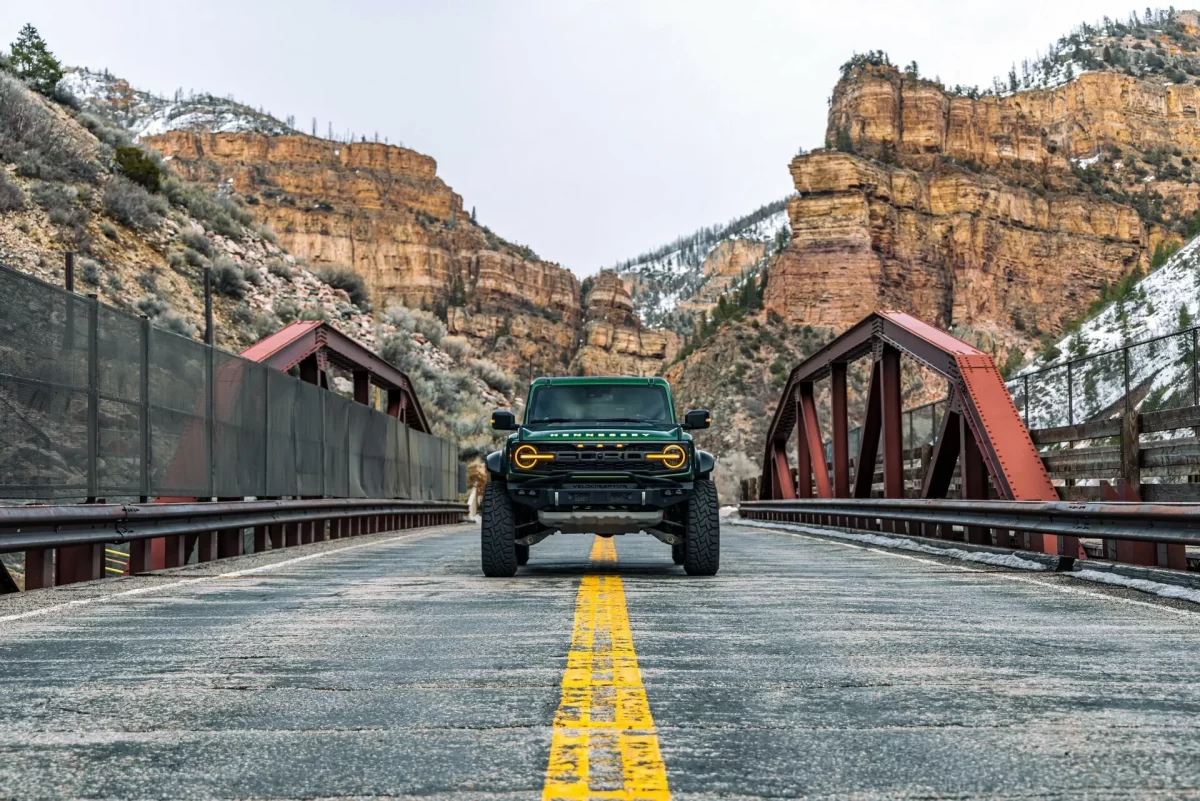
527 457
672 456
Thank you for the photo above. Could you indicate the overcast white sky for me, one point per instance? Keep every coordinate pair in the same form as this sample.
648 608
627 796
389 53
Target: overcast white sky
590 130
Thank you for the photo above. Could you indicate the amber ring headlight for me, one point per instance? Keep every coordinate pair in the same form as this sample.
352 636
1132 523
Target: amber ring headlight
672 456
527 457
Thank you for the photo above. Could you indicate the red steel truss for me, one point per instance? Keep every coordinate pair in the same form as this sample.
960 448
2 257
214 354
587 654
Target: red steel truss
982 432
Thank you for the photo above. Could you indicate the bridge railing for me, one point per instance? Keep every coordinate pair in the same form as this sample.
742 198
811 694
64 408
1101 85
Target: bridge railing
97 404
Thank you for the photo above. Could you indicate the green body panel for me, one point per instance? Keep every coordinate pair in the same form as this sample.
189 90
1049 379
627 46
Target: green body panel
606 433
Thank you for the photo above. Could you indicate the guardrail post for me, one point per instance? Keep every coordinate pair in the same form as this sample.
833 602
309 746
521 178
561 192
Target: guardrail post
140 556
1131 469
206 546
39 569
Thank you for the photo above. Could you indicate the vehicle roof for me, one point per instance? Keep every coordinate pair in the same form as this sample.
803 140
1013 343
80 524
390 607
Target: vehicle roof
600 379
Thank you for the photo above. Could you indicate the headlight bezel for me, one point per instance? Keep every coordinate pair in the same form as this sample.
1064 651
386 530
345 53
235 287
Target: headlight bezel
527 457
673 456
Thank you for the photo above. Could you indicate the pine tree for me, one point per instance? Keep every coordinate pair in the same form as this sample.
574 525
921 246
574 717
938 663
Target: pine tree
34 62
474 219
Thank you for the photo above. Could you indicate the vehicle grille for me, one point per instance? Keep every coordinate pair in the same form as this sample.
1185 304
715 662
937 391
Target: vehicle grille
568 457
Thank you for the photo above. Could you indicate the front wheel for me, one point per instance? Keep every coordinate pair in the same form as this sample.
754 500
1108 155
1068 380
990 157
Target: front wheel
702 531
498 533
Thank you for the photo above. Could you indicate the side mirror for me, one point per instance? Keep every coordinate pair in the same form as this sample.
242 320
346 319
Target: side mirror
697 418
503 420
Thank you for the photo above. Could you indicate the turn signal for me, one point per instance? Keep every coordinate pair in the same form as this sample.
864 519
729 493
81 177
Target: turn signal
672 456
527 457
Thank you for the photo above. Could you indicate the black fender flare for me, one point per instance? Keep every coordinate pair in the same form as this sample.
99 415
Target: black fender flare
705 462
495 463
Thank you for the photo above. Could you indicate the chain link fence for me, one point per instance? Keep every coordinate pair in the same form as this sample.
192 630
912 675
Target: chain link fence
96 403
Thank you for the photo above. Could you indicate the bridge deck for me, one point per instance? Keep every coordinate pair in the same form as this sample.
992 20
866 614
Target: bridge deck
389 667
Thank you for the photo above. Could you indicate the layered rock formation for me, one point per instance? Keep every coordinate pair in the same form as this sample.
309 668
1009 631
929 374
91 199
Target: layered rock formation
614 342
383 210
977 214
955 248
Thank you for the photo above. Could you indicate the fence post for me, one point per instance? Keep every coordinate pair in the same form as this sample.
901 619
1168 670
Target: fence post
145 404
1125 363
266 429
93 402
1070 396
210 414
1026 401
1195 373
69 284
324 480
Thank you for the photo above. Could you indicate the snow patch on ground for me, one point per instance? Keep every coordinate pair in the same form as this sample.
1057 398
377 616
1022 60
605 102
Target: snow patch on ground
981 557
1164 367
670 275
1143 585
145 114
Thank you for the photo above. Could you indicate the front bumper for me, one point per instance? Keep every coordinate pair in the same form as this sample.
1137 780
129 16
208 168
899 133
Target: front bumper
600 507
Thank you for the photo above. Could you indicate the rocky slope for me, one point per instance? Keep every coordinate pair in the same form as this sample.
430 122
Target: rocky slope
382 210
1001 215
674 285
145 252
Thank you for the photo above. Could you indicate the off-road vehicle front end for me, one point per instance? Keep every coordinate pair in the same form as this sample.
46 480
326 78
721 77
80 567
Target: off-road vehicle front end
600 456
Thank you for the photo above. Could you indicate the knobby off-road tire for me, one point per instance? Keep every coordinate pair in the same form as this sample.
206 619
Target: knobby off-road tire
677 553
702 531
497 534
522 554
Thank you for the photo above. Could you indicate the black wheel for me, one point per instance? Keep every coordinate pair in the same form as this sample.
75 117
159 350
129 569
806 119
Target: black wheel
677 553
497 534
702 531
522 554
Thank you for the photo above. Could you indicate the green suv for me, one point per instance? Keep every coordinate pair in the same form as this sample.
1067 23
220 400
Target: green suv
600 456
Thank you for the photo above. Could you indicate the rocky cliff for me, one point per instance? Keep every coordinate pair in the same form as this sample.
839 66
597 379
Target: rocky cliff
614 341
382 210
1001 216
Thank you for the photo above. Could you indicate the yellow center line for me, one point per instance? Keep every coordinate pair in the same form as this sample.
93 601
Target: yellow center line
604 744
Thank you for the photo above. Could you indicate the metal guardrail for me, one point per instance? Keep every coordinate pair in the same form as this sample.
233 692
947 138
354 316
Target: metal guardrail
67 544
1140 522
29 527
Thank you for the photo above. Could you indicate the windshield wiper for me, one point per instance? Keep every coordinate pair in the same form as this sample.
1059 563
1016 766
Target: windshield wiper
627 420
553 420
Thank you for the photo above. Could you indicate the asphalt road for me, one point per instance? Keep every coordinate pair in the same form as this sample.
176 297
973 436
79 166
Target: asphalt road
392 668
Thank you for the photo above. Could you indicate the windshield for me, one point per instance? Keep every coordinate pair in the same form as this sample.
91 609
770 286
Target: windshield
616 403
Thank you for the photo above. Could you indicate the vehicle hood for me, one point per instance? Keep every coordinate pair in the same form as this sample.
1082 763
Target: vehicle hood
604 434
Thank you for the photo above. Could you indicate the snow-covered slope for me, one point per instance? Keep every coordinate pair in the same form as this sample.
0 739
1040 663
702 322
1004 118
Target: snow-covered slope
145 114
675 273
1160 372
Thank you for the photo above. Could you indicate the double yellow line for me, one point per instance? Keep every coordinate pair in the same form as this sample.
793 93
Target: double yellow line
604 745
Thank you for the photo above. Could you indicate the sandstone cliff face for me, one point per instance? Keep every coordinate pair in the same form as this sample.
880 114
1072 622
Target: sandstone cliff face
974 214
954 248
1043 129
382 210
614 342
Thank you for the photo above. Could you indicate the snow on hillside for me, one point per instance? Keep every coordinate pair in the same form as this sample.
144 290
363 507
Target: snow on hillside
1160 373
674 272
145 114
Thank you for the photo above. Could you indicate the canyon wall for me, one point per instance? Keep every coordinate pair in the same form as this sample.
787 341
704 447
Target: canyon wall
1000 217
382 210
614 342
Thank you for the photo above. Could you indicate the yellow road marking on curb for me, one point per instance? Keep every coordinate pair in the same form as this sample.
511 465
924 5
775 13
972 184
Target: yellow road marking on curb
604 743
